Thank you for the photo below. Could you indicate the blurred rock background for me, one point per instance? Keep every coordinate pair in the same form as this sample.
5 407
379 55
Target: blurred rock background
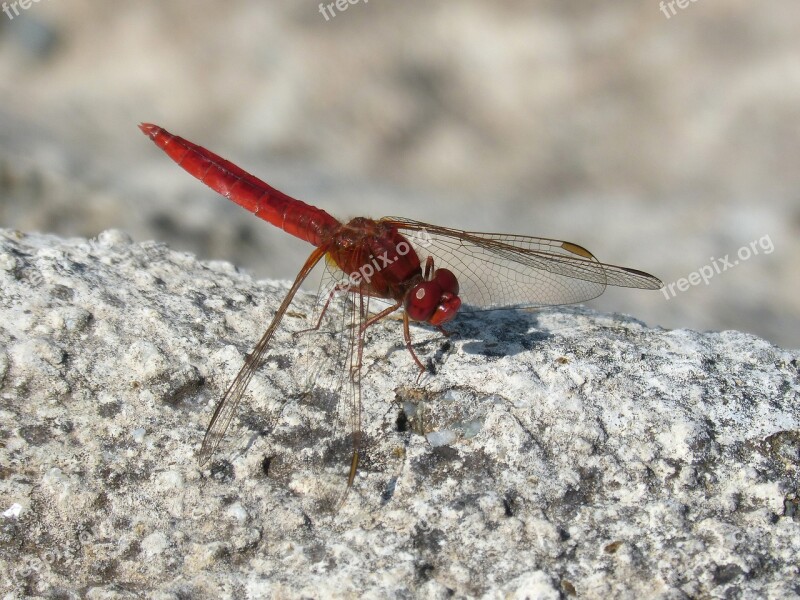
656 142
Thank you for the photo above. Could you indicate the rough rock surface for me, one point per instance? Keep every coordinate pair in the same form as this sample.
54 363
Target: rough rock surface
552 454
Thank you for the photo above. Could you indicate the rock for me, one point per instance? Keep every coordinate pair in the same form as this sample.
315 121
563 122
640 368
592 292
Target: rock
553 453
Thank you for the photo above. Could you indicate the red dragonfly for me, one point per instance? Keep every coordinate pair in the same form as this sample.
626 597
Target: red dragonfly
430 272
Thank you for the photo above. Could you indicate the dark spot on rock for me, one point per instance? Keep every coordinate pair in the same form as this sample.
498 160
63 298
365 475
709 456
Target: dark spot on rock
101 501
131 551
317 553
791 507
388 491
509 512
478 465
427 540
281 361
577 497
445 453
783 446
35 435
65 426
108 410
510 502
265 464
423 571
222 471
186 390
185 592
12 538
431 464
106 569
79 267
110 478
112 300
401 423
62 292
726 573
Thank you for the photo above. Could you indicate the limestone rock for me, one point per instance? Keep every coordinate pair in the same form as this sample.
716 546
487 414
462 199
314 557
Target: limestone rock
548 454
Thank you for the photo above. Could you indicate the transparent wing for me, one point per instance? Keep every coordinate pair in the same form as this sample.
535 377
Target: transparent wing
226 408
332 353
517 271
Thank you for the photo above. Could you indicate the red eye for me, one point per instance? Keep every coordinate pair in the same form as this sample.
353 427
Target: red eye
422 300
446 280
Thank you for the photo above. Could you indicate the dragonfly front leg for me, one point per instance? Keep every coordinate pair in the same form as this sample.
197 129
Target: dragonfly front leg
428 271
444 331
409 347
362 331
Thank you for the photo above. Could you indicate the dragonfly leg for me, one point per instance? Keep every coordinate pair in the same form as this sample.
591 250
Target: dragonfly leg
362 330
407 338
444 331
384 313
355 367
428 272
336 290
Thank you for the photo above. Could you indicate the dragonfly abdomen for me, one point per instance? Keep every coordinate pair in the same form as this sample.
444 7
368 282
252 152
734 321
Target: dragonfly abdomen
293 216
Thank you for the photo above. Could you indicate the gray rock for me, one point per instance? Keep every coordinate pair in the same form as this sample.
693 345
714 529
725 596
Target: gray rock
553 453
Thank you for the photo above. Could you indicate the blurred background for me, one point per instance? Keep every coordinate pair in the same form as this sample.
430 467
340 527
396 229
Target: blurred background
657 137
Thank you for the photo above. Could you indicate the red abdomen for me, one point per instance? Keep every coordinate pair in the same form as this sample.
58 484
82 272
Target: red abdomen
293 216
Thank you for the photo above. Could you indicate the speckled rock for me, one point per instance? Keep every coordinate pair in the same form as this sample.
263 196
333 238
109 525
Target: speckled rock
548 454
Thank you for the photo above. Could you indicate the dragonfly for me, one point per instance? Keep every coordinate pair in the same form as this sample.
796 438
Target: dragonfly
429 272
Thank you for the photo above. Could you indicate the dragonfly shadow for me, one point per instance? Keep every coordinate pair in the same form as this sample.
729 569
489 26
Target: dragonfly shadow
501 333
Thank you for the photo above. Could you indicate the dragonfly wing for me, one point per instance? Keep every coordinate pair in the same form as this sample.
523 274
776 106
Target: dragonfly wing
517 271
332 365
226 408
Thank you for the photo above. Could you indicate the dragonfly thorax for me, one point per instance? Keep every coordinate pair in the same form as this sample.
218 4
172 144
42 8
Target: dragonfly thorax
375 258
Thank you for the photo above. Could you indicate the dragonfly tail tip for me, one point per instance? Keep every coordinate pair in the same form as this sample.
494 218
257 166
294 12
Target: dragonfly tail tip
149 129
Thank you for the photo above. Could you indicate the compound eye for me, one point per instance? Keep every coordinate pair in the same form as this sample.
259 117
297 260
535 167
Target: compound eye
446 280
422 300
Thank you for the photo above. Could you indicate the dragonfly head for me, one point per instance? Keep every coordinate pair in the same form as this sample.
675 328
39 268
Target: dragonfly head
435 301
